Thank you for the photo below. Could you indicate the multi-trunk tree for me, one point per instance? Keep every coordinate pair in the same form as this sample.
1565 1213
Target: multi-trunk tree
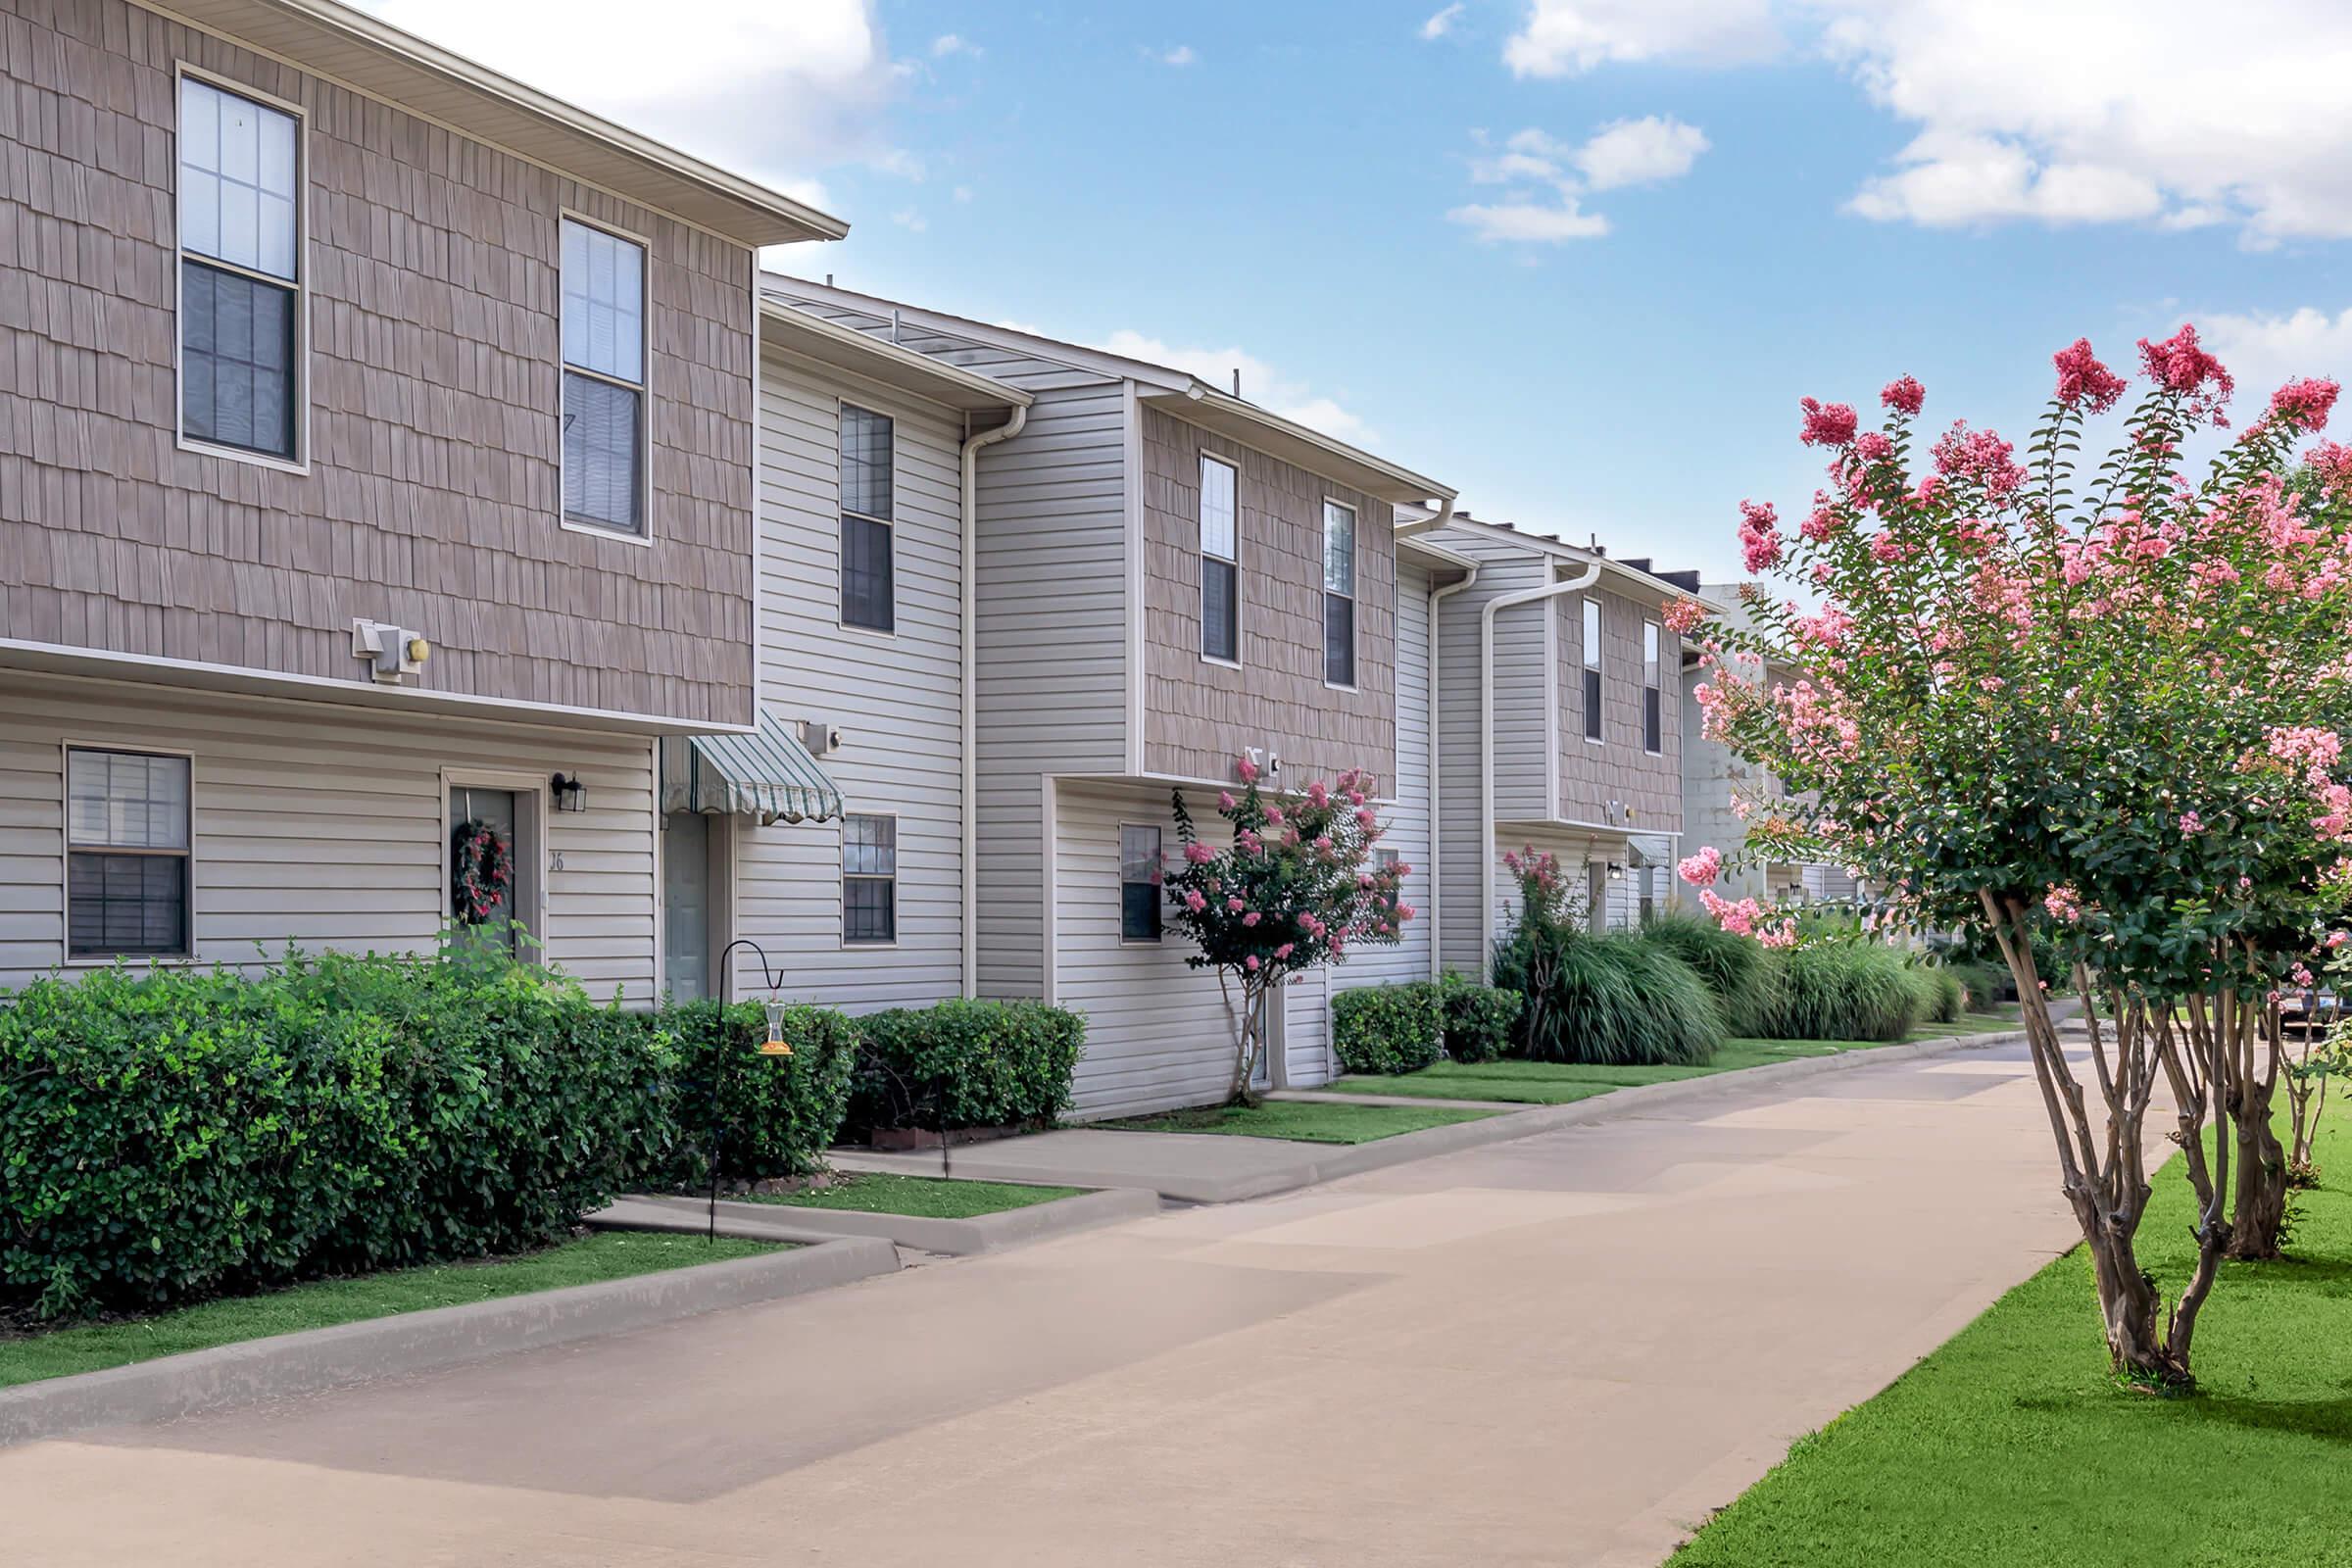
1298 886
2090 703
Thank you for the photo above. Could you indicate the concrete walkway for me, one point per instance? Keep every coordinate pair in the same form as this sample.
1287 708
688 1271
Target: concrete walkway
1562 1349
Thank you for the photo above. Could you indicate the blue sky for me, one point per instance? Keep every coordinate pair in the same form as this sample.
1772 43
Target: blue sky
1401 223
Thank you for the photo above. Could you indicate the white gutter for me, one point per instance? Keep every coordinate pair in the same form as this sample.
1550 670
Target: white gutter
1437 818
1486 733
969 632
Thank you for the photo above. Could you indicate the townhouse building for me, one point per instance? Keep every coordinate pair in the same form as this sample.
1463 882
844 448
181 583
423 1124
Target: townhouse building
379 487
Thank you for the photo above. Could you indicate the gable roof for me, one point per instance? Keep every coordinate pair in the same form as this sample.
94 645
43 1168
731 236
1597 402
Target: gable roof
356 50
1178 392
862 354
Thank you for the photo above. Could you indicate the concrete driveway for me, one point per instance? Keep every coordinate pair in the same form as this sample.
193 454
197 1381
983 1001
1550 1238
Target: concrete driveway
1564 1350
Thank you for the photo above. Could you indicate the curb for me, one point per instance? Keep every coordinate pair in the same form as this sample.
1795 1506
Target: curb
953 1237
316 1361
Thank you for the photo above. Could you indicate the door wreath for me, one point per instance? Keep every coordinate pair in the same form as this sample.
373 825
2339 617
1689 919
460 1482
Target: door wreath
481 868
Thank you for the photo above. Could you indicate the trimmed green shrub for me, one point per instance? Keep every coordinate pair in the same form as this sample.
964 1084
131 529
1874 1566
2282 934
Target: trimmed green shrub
1606 998
1987 983
179 1133
1478 1018
1736 968
964 1063
1947 997
1386 1029
1843 989
775 1115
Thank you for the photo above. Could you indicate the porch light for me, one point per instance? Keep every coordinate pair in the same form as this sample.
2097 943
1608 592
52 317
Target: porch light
1616 871
570 794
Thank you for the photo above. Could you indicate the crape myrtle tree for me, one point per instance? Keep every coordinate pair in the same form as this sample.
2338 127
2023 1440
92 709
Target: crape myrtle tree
2097 703
1297 888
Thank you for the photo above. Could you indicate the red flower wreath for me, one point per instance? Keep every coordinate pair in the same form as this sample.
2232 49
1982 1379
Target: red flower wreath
481 868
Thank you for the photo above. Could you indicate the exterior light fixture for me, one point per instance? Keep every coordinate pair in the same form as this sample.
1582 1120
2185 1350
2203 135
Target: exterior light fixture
570 792
1616 871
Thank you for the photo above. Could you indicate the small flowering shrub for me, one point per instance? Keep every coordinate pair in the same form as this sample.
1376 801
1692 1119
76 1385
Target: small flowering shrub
1386 1029
2041 697
1296 889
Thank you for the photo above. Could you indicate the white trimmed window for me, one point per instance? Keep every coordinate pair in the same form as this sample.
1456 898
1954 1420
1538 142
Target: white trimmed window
870 880
1653 701
604 379
127 854
1220 560
240 272
1141 878
1338 594
1592 649
868 580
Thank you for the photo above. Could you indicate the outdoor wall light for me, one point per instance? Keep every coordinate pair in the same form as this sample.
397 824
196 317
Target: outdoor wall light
570 792
1616 872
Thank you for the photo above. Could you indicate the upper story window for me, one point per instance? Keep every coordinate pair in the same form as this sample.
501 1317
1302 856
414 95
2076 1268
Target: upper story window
1651 700
1141 871
604 379
1338 594
240 272
869 879
1591 642
127 854
868 592
1220 561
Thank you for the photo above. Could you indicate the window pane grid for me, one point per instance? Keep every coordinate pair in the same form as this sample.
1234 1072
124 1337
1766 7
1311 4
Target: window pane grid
1651 701
603 477
1218 530
126 866
869 865
1140 870
868 591
604 303
238 191
1338 549
1338 640
866 464
1220 609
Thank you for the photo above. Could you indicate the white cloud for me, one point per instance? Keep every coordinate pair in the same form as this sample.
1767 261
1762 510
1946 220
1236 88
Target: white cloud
962 193
907 217
1568 38
2173 111
1261 383
1181 55
2265 351
773 90
1640 152
1539 223
1439 26
949 43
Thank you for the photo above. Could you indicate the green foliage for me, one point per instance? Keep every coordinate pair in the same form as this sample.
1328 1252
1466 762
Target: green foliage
1736 968
1478 1018
1386 1029
774 1115
1948 994
964 1063
1605 999
1833 989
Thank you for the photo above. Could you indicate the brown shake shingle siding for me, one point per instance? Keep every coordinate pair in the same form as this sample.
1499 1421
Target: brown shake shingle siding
432 494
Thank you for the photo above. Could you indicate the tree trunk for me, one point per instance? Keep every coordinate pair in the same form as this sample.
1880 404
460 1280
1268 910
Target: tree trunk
1249 1039
2262 1182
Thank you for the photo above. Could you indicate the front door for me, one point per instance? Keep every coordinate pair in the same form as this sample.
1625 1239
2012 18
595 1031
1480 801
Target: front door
485 818
686 905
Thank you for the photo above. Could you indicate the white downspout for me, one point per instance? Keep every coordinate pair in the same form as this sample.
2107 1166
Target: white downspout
1437 818
969 679
1485 735
1429 525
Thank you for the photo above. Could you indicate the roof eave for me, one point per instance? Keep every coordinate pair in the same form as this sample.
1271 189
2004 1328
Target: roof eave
1310 448
845 347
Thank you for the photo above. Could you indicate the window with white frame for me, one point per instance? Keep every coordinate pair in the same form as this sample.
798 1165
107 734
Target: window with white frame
868 589
604 379
1338 594
1385 859
1220 560
1591 651
1141 874
127 854
1652 702
240 272
869 879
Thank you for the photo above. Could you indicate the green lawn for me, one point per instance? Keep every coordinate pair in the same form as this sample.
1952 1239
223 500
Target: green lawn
924 1196
1308 1122
605 1256
1548 1083
2011 1446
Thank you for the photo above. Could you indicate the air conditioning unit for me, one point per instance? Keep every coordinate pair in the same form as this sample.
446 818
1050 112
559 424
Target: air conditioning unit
819 737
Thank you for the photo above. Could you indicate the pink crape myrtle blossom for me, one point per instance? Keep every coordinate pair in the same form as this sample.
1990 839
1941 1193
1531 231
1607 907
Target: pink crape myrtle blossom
1827 424
1683 617
2180 365
2064 903
1701 869
1904 395
2305 405
1759 535
2082 381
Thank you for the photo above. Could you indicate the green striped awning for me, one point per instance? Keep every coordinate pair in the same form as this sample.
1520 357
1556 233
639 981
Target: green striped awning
768 774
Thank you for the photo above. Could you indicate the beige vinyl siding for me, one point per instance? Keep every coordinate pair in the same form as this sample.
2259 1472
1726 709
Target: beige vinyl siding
895 698
1306 1039
324 826
1158 1032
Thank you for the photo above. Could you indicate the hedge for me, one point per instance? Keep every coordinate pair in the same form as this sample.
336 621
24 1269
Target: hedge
964 1063
1849 989
1478 1018
1386 1029
177 1134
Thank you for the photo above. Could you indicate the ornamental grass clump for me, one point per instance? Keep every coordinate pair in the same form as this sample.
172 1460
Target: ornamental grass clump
2090 706
1614 1000
1838 988
1736 968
